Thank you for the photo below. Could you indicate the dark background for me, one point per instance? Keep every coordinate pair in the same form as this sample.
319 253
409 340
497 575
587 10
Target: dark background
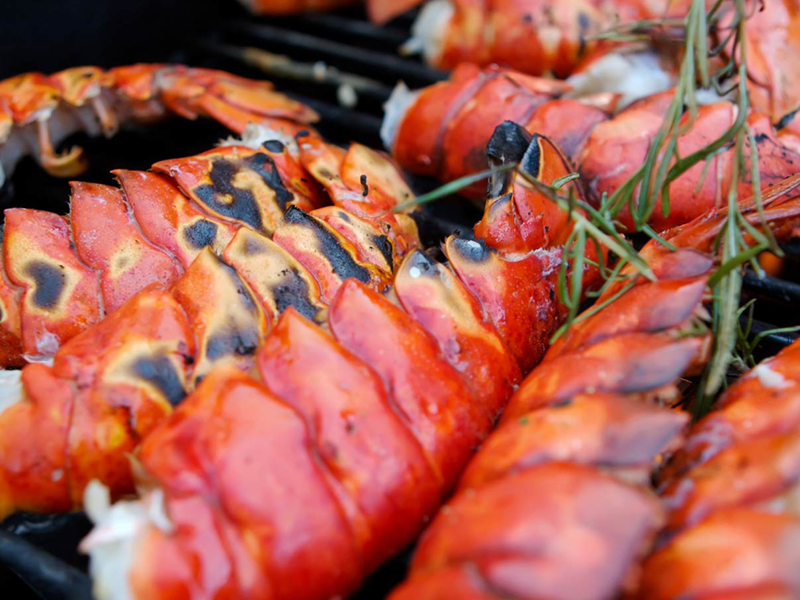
49 35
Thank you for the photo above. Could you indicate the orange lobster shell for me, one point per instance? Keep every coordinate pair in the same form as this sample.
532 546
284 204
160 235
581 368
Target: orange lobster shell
37 111
448 124
370 439
555 503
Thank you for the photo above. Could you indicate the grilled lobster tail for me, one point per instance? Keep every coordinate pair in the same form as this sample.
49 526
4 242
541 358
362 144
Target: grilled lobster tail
62 276
195 263
38 111
752 440
442 130
555 504
532 36
346 436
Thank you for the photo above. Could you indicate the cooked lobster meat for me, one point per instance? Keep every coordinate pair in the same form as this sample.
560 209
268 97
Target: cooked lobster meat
556 503
441 130
297 478
37 112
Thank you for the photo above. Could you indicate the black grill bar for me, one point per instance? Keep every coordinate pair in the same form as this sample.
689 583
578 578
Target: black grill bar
50 577
772 341
387 67
772 288
359 30
283 67
353 125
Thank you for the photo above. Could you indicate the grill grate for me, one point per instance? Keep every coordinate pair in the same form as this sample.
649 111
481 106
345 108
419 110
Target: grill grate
41 550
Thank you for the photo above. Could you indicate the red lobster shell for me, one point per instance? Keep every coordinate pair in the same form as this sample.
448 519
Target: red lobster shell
555 504
38 111
347 438
445 127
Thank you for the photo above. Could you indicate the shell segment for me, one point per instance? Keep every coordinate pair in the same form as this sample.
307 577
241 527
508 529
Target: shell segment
107 239
61 296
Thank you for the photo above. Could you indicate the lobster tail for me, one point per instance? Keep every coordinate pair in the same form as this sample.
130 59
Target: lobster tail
416 374
751 439
77 420
442 130
573 456
38 111
227 301
63 276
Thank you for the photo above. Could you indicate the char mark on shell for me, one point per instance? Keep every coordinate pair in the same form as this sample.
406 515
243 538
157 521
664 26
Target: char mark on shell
293 291
342 263
233 341
385 247
266 169
274 146
161 373
49 281
475 251
200 234
531 160
224 198
508 145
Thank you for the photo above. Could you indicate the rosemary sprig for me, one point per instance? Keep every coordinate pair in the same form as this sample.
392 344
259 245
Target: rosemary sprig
647 190
747 343
726 282
451 188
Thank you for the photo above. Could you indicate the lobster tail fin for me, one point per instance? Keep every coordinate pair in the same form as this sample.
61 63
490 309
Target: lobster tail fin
519 217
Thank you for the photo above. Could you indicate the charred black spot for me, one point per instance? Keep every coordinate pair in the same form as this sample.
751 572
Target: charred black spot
274 146
474 251
365 190
532 158
508 143
787 118
293 291
266 169
161 372
385 248
223 197
341 262
506 146
49 281
242 205
760 137
423 262
302 133
200 234
561 403
253 246
344 216
239 342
